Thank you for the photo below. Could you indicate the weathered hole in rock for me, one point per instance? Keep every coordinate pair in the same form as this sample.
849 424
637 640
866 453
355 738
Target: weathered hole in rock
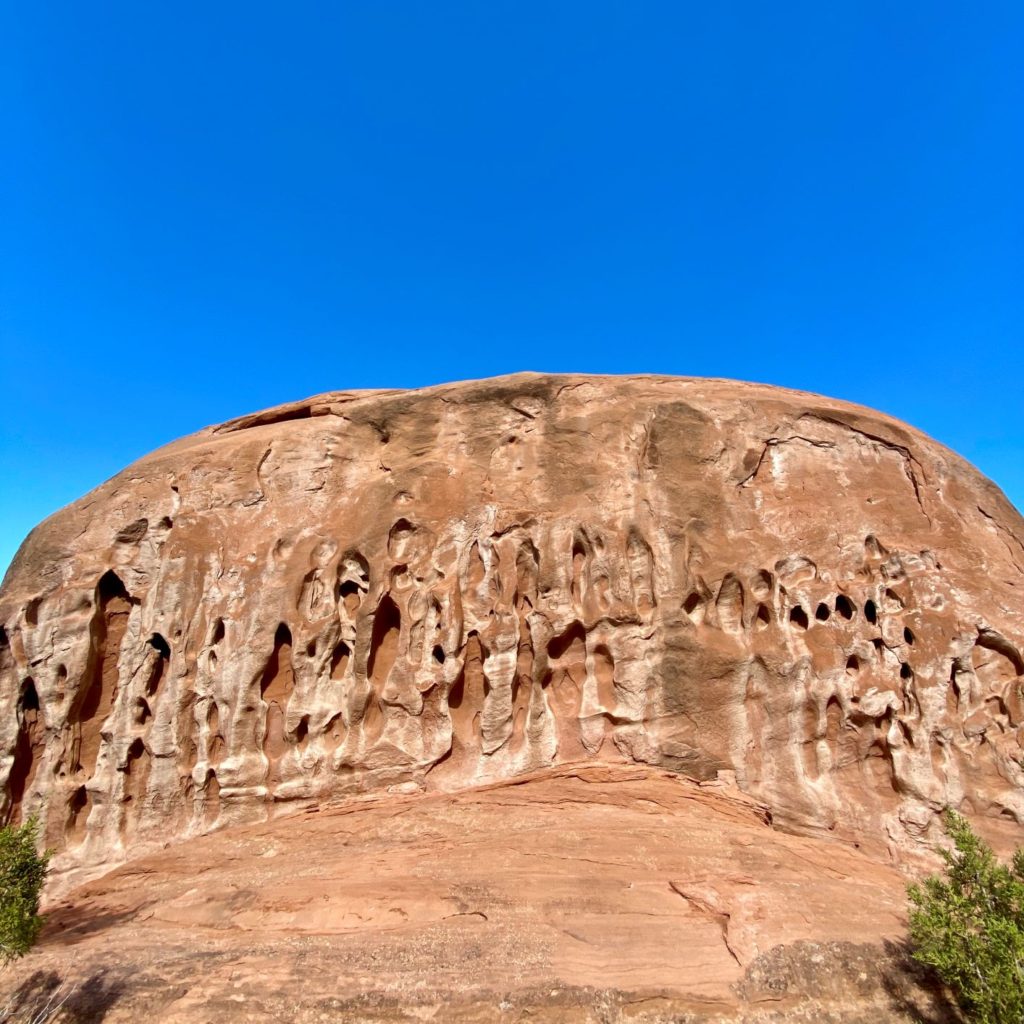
844 607
334 731
795 570
996 661
214 738
908 636
852 665
141 712
822 613
466 696
398 538
96 698
79 806
276 686
350 595
527 569
763 617
211 798
879 767
693 605
564 679
873 548
522 684
729 604
641 565
477 568
136 781
163 649
559 645
579 564
28 749
798 617
833 719
761 585
953 692
908 736
870 612
604 671
133 533
339 660
387 627
810 738
278 678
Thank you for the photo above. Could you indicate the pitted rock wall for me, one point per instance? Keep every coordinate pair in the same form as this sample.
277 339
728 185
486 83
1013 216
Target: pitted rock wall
440 588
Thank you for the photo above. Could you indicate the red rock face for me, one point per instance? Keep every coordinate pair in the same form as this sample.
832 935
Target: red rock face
436 589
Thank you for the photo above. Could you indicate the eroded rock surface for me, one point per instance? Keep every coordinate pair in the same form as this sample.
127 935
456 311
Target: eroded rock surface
444 588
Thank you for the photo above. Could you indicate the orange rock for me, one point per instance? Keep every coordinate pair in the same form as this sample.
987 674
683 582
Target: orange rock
441 588
588 893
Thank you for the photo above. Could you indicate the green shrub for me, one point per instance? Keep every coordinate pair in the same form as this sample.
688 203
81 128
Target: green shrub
969 926
22 874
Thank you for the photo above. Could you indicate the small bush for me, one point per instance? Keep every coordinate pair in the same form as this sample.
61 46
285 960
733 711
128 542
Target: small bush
22 874
969 926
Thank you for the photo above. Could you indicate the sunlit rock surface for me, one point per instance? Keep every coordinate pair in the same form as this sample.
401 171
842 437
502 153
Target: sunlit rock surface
406 591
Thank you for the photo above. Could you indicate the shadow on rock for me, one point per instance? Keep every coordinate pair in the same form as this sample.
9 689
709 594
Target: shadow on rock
914 990
46 997
70 923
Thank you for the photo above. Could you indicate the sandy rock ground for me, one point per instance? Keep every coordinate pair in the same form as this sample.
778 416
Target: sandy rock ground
587 893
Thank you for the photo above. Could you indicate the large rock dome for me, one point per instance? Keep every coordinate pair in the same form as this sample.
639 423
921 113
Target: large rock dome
430 590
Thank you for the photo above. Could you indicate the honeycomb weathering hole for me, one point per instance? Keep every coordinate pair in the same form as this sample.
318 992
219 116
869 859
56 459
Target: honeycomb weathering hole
28 749
278 678
387 627
96 699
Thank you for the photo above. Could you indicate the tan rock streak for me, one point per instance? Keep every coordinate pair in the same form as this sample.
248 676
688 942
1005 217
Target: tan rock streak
442 588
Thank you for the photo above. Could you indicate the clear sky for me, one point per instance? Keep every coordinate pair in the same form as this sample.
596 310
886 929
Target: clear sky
211 208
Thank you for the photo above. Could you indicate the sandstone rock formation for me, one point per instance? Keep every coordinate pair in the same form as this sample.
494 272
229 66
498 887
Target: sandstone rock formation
438 589
580 894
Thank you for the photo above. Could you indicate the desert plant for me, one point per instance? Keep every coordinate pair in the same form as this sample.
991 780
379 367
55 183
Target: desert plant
22 874
969 926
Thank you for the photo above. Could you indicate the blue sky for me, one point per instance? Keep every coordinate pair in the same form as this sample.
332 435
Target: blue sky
208 209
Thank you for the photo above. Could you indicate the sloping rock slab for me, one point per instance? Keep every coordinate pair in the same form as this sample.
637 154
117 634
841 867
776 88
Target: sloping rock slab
589 893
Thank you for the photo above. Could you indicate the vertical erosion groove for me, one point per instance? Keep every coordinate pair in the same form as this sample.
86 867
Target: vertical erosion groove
28 750
276 685
384 641
466 697
97 700
387 626
567 673
136 783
